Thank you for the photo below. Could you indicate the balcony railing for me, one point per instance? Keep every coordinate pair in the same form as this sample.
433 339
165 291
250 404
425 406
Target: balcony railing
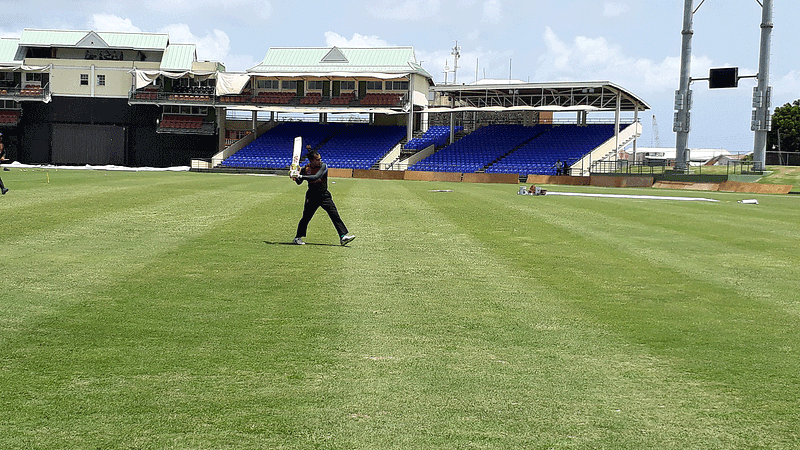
208 98
30 92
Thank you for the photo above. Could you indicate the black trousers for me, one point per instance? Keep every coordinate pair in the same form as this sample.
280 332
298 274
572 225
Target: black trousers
315 201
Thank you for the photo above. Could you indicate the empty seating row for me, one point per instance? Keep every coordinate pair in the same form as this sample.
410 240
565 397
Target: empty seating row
436 135
312 98
182 122
201 90
343 99
33 91
273 98
189 98
381 99
10 116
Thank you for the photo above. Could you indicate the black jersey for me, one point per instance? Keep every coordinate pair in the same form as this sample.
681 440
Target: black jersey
317 178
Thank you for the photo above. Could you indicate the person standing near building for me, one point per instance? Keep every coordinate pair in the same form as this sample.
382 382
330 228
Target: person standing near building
3 159
317 195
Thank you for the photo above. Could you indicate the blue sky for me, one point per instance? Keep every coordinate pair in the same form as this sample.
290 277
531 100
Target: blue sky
632 43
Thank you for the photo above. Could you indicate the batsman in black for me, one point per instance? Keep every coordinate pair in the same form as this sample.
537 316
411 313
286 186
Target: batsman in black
317 195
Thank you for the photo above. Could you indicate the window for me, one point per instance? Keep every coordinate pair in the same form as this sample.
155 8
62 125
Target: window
101 80
186 110
84 79
315 85
348 85
289 84
374 85
33 77
268 84
397 85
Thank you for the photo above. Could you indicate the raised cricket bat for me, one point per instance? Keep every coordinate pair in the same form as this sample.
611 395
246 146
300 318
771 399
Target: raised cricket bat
294 170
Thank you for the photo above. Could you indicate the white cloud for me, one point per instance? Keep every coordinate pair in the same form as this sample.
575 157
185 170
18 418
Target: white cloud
214 46
405 10
234 10
333 39
492 11
614 9
597 59
109 22
787 86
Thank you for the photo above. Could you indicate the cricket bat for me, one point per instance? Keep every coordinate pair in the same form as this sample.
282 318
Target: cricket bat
294 170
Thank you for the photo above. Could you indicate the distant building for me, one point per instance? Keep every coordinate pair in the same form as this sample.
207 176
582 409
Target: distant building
64 99
666 155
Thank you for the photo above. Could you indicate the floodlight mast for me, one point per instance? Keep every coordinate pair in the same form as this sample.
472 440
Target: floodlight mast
683 94
761 96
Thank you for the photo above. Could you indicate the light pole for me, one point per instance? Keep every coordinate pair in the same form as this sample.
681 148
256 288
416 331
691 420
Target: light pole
683 96
761 95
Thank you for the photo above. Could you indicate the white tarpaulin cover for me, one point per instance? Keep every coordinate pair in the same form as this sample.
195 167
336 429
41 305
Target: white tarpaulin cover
231 83
420 99
147 77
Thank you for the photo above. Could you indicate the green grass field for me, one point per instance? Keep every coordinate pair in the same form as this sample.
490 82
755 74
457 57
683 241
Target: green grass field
167 311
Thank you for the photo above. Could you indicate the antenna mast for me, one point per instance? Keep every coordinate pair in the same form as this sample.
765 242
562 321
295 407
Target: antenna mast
456 55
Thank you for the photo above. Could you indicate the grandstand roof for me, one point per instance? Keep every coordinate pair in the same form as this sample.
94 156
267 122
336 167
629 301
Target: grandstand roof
380 62
92 39
557 96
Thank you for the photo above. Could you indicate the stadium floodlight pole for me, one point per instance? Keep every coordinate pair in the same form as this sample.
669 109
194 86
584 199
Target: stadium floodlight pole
684 93
761 95
456 55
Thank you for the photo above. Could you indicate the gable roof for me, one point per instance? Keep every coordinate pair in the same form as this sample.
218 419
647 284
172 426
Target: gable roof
341 60
92 39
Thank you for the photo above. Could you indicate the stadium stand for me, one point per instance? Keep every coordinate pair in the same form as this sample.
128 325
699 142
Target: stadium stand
517 149
478 149
273 149
567 143
437 136
356 146
360 146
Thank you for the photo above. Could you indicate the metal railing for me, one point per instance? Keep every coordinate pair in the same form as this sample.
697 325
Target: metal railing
625 167
18 93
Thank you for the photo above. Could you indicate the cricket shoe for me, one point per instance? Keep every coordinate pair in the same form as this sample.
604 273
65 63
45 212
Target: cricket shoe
346 239
5 190
298 241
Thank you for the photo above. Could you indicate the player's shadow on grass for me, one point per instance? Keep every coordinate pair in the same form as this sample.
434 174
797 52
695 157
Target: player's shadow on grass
307 243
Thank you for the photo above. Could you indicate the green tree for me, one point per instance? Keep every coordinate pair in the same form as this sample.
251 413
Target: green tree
786 124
